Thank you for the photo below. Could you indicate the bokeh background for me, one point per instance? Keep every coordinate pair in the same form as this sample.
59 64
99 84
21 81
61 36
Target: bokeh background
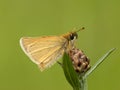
18 18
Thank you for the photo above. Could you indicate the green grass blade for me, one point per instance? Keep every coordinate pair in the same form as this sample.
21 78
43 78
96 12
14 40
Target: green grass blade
99 62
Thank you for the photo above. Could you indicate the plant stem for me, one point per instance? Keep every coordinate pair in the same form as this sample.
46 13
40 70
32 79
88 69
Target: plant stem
83 83
99 62
79 81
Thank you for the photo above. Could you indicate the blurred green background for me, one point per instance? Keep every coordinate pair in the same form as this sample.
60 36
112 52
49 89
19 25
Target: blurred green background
18 18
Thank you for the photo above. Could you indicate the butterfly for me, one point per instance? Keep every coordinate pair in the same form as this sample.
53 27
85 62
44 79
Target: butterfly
46 50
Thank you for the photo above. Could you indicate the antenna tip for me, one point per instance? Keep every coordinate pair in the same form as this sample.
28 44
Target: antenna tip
83 28
79 29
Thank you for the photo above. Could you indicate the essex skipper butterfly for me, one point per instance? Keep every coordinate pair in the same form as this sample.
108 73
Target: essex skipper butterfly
46 50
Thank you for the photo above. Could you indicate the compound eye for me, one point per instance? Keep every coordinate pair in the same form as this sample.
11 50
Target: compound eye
71 37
